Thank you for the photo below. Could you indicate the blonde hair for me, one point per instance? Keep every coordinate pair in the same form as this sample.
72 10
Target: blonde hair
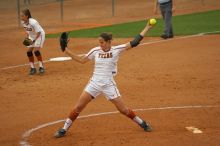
27 12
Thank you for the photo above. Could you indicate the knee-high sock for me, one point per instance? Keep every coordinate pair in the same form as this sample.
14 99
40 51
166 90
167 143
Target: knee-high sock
30 58
72 117
39 58
133 116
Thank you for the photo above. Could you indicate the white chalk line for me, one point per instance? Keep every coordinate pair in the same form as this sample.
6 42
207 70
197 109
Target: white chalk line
21 65
24 141
147 43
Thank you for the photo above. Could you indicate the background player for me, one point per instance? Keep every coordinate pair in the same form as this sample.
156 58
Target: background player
102 81
36 33
167 8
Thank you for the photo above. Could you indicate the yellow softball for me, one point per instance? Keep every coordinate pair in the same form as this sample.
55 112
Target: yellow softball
152 21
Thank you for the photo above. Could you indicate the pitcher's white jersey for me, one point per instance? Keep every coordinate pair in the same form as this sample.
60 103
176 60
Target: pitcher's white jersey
105 68
105 62
33 27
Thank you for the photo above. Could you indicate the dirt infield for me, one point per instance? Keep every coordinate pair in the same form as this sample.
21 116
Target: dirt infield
176 73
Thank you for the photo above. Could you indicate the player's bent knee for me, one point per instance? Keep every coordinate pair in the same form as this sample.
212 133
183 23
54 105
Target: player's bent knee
29 53
37 53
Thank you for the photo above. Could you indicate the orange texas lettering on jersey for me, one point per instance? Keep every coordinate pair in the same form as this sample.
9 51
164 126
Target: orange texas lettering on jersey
105 55
28 29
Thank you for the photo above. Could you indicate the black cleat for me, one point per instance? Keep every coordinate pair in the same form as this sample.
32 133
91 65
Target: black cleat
164 36
41 70
60 133
33 71
146 126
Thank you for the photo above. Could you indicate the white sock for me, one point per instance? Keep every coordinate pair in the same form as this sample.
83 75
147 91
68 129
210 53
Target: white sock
137 120
67 124
31 64
40 64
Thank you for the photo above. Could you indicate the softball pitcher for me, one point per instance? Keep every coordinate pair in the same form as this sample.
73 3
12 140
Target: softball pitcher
34 41
102 81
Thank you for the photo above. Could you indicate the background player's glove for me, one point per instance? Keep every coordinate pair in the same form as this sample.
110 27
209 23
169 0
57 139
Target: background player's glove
63 41
27 42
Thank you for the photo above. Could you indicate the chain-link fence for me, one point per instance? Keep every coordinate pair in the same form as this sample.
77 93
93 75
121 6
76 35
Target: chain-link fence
53 10
50 12
23 3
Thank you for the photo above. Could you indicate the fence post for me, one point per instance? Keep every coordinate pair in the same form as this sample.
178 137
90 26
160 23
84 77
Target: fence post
18 12
61 10
113 7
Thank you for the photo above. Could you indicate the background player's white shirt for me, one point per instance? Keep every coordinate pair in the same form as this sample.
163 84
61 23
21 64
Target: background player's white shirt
105 62
32 27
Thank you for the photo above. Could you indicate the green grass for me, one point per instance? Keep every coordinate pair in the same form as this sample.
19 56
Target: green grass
182 24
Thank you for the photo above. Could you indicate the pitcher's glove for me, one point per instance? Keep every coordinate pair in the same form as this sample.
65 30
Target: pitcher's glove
64 40
27 42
